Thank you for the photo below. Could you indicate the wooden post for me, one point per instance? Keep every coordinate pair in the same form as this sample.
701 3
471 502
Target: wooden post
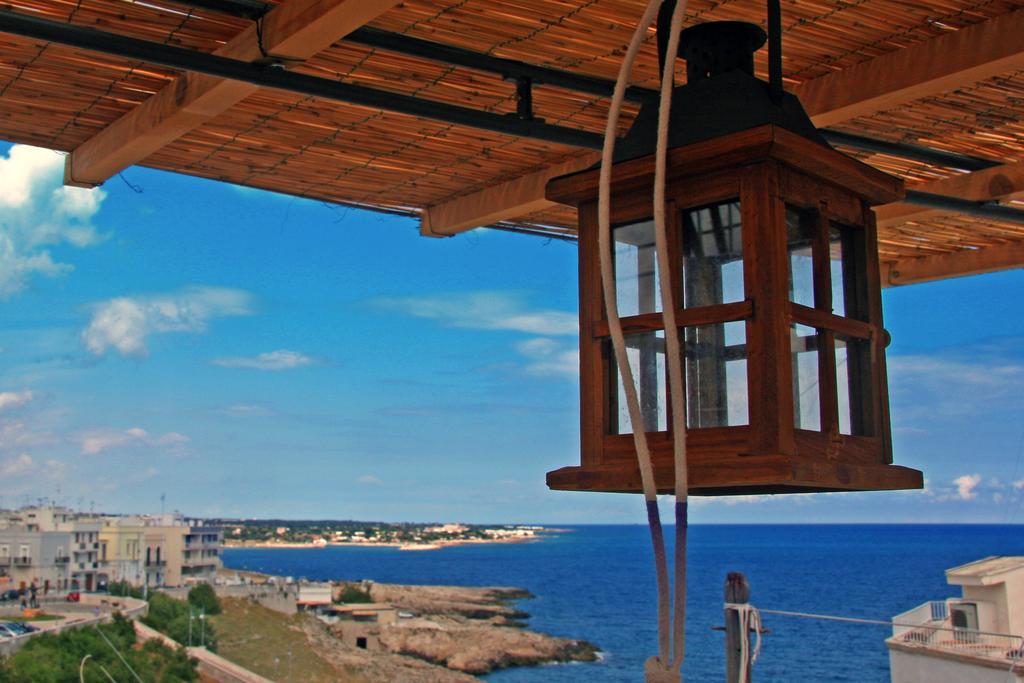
737 591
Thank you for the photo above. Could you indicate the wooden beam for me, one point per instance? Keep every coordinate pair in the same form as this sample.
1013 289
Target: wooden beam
928 68
511 199
293 30
998 182
955 264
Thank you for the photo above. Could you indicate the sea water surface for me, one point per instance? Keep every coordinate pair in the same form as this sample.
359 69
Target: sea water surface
597 583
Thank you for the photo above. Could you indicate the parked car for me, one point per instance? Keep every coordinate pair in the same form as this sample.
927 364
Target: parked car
73 596
18 627
5 629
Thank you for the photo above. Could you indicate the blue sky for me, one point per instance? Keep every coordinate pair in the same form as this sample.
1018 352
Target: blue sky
249 354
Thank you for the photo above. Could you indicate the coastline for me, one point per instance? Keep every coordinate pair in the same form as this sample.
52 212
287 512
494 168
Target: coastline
400 545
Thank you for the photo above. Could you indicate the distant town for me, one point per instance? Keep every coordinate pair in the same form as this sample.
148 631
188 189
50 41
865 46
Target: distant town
405 536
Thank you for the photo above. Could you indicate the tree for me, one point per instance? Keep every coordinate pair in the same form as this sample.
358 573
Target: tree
203 597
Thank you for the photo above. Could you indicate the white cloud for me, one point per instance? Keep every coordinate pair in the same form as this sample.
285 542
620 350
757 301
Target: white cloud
124 324
927 389
1018 485
282 359
486 310
547 357
37 211
14 399
966 485
369 479
97 441
16 467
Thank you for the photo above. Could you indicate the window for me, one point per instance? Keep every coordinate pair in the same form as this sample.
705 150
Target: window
716 375
712 255
853 363
646 353
846 267
805 342
636 269
800 247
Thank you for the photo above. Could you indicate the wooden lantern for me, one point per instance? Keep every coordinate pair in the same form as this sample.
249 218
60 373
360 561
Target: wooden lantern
773 252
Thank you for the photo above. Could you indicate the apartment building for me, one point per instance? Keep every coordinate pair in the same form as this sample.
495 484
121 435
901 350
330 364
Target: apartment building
56 548
34 557
201 554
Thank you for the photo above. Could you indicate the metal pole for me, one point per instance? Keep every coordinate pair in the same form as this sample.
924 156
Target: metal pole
737 592
775 50
190 627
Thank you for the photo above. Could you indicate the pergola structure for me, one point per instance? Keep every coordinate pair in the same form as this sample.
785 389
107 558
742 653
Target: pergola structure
460 111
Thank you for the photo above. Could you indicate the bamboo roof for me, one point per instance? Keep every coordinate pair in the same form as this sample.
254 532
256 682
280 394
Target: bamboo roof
62 97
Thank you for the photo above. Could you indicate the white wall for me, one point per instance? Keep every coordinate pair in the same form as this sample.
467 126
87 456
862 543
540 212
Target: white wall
908 667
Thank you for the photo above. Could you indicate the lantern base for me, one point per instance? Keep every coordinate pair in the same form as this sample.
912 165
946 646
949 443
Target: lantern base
744 475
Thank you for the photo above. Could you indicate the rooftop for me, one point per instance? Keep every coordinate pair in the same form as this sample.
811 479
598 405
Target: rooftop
985 571
433 130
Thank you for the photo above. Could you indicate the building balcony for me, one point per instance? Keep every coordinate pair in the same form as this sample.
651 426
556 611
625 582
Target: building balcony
22 561
928 629
61 559
198 545
200 562
156 565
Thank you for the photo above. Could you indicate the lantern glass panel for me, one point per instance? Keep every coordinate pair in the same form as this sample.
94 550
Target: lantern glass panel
712 255
716 375
852 380
646 352
805 342
847 255
636 269
800 229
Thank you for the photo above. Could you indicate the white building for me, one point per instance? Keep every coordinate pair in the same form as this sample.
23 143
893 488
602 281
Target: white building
976 638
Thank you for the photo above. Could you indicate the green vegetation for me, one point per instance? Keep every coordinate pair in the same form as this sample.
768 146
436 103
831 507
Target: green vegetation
124 589
204 598
171 617
38 617
261 639
51 658
353 592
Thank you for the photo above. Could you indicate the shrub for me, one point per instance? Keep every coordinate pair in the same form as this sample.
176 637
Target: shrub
49 658
204 598
354 593
124 589
171 617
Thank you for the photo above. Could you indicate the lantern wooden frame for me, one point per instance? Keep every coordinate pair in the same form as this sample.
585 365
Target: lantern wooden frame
766 169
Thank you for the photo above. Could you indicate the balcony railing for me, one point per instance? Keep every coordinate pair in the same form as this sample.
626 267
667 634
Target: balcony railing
63 559
928 627
23 561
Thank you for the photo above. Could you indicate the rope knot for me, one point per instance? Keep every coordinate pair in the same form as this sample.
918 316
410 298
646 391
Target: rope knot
657 671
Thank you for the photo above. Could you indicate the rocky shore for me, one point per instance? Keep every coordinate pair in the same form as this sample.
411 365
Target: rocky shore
472 630
447 635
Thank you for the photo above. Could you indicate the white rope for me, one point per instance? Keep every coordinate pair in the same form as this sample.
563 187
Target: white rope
750 619
664 668
677 388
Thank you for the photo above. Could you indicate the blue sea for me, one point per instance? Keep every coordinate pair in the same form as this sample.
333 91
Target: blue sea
597 583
